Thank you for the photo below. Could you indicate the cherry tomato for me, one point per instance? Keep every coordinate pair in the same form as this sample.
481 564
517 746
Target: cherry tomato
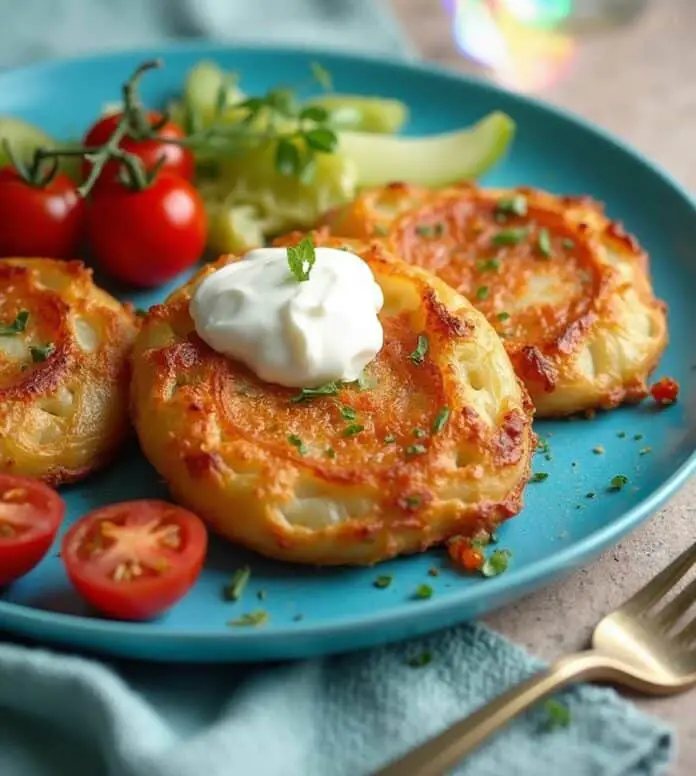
665 391
30 515
463 554
135 559
177 160
147 237
46 222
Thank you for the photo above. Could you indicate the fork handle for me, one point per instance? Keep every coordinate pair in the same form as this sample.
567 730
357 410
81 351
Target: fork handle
439 755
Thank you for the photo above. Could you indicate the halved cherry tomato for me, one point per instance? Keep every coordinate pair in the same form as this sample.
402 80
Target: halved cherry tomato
177 160
147 237
665 391
48 221
30 515
135 559
463 554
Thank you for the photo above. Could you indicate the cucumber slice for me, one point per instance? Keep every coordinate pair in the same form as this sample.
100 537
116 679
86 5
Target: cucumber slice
233 228
202 87
437 160
363 114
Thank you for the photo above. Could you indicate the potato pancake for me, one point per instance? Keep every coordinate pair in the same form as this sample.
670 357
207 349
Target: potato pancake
64 370
433 441
566 289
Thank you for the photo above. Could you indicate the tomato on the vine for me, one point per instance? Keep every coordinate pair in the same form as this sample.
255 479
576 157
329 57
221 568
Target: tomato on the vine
177 160
30 515
135 559
146 237
46 221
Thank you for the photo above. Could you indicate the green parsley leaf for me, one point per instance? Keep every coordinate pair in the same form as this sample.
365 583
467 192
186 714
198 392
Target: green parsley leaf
496 564
423 592
618 482
516 205
418 355
441 420
412 501
540 476
258 617
17 326
329 389
598 450
383 581
419 433
236 587
348 413
558 714
353 430
503 316
488 265
415 450
314 113
261 595
297 442
39 354
321 139
510 236
420 660
301 259
330 452
288 163
567 243
322 76
381 230
637 437
621 434
424 230
544 243
482 292
590 494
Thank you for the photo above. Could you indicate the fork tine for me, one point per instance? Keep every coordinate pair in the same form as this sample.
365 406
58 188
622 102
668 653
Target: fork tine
656 589
669 616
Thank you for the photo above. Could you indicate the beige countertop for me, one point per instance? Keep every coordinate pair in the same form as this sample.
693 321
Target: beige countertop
638 83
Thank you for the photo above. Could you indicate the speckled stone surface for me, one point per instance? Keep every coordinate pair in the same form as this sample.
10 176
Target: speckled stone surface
639 83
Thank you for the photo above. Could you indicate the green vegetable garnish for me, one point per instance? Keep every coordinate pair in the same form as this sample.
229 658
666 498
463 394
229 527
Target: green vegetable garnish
418 355
39 354
645 450
235 590
348 413
618 482
389 439
637 436
420 660
558 714
544 243
510 236
261 595
363 114
297 442
503 316
322 76
415 450
489 264
353 429
381 231
330 452
423 591
441 420
496 564
383 581
430 230
17 326
301 259
516 206
258 617
412 501
329 389
540 476
621 434
419 433
567 243
591 494
482 292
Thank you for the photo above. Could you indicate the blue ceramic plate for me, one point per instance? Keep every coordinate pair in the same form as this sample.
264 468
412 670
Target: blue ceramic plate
319 611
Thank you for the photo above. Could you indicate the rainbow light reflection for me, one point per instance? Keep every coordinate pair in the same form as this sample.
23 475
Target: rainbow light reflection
518 40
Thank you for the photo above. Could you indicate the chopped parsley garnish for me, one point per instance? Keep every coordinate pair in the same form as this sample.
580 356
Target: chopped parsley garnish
503 316
330 452
420 660
348 413
365 382
236 587
418 355
419 433
637 437
590 494
544 243
621 434
488 265
644 450
329 389
618 482
412 501
509 236
427 230
567 243
415 450
261 595
39 354
441 420
423 591
383 581
540 476
259 617
433 572
558 714
482 292
516 206
298 617
381 230
389 439
353 429
297 442
543 446
301 259
496 564
598 450
17 326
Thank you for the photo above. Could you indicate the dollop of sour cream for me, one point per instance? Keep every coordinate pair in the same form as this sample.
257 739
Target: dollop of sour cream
301 334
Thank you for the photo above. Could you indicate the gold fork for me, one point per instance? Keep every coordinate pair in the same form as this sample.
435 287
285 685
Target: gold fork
642 645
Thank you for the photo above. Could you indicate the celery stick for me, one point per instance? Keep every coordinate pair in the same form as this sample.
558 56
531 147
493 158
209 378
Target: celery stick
363 114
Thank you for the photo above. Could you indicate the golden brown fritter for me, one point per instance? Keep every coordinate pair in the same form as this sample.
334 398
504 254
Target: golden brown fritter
566 288
64 370
421 450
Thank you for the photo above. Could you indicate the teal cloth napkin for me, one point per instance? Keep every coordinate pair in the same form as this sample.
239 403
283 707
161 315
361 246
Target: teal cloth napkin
344 716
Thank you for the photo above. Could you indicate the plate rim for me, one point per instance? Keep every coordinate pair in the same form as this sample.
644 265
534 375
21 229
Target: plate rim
566 560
